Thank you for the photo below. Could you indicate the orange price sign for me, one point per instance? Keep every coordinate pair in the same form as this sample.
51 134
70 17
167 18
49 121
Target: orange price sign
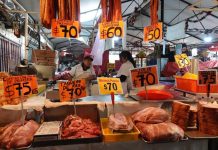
72 90
144 76
18 86
65 28
153 32
206 77
111 29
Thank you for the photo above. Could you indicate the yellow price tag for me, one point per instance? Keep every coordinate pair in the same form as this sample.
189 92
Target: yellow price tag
111 29
108 85
182 60
65 28
153 32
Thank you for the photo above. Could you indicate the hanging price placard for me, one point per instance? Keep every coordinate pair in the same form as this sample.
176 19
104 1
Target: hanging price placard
108 85
182 60
65 28
207 77
144 76
153 32
111 29
72 90
18 86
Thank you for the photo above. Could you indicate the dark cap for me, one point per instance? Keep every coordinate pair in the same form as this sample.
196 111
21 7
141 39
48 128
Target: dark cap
90 57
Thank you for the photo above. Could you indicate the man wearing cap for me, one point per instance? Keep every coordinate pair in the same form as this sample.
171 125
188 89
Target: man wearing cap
85 71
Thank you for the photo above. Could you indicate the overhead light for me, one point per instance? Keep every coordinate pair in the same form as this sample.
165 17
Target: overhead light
208 39
116 38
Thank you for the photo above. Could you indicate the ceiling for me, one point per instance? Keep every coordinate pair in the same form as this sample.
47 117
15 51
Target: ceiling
175 11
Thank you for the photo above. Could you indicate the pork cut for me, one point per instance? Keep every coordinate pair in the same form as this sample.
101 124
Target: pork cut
165 131
15 135
150 115
119 121
75 127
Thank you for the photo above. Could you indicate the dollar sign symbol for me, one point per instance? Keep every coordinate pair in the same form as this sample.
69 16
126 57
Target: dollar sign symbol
9 91
103 33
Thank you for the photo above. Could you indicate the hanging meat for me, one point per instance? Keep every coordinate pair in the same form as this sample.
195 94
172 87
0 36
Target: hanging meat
47 12
154 4
65 9
113 12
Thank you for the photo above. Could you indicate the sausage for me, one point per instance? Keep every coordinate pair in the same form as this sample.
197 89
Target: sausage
117 13
104 10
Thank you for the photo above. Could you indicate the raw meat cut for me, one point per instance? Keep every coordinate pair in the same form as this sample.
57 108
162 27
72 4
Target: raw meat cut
119 121
151 115
75 127
15 135
165 131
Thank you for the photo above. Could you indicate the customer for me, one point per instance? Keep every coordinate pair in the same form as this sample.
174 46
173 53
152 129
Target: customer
124 72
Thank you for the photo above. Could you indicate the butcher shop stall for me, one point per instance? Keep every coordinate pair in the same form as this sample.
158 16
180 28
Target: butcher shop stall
109 74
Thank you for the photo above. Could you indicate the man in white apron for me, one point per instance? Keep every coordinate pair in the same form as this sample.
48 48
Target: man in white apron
85 71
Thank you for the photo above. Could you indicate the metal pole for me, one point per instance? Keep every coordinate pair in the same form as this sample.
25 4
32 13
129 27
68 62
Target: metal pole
26 36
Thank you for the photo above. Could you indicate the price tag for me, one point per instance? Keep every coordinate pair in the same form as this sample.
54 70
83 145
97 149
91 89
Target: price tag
72 90
144 76
18 86
153 32
182 60
110 66
65 28
207 77
111 29
108 85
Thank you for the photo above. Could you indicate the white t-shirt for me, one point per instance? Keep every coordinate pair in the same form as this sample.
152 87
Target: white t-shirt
125 70
77 72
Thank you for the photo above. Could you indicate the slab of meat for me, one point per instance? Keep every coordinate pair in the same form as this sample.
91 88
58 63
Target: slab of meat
155 95
75 127
154 4
15 135
151 115
165 131
119 121
24 135
47 12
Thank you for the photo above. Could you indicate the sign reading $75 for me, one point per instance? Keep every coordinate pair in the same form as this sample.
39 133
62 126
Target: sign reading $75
18 86
111 29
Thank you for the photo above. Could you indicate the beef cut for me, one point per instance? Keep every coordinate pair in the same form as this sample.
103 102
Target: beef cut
165 131
75 127
150 115
119 121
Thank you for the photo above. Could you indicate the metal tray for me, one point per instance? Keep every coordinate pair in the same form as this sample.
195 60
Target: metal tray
184 139
195 134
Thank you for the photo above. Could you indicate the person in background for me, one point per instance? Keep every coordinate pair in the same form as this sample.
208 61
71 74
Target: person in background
185 50
128 63
204 55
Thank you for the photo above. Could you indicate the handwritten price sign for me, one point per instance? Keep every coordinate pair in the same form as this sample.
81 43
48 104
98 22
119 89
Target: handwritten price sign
108 85
207 77
65 28
182 60
111 29
144 76
153 33
72 90
17 86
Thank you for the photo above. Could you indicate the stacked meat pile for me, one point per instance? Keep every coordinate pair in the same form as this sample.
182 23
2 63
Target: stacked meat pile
208 118
183 115
65 9
119 122
10 101
15 135
154 125
75 127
